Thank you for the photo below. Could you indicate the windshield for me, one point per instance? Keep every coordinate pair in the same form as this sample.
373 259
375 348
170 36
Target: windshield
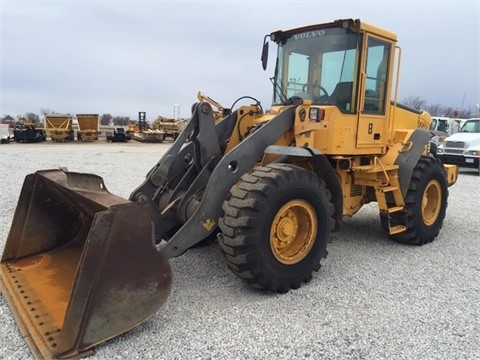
471 126
317 65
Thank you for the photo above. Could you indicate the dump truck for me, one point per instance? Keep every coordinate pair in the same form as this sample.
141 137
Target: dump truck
82 265
59 127
88 127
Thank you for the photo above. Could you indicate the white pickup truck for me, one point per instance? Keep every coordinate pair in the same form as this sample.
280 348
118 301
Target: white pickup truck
463 147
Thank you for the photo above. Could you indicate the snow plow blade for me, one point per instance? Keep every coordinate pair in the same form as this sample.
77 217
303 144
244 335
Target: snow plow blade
79 266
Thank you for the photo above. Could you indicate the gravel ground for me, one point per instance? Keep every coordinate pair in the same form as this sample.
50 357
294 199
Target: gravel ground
372 299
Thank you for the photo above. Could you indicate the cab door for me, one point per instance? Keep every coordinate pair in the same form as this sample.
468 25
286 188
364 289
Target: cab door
373 112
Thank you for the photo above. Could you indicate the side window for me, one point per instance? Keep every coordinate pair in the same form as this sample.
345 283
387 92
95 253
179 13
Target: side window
443 125
378 55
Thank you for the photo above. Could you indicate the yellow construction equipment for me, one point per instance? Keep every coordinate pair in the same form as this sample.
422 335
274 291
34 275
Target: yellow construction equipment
82 265
88 127
170 128
59 127
144 132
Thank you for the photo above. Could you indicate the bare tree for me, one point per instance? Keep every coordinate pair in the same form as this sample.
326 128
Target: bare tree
465 114
450 112
414 102
441 110
32 117
105 119
44 111
121 120
436 110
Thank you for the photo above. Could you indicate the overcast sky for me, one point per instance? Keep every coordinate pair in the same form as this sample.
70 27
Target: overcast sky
121 57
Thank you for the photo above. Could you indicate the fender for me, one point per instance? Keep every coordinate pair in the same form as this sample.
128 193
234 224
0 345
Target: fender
407 160
322 168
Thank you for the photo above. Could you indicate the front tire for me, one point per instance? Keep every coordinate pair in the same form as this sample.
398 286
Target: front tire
425 203
276 226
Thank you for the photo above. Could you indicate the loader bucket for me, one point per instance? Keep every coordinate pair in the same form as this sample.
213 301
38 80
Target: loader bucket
79 266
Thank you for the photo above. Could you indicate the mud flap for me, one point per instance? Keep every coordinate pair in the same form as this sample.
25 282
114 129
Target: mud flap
80 265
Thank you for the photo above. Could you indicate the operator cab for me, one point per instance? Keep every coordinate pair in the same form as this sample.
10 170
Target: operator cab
344 68
321 64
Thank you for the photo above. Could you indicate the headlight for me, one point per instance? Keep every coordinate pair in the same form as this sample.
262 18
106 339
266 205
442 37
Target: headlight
473 152
439 150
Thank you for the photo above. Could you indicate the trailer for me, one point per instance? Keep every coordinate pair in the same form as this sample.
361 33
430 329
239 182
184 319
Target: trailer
88 127
59 127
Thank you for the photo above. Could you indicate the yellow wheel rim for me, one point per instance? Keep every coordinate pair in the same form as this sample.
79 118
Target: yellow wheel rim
431 202
293 232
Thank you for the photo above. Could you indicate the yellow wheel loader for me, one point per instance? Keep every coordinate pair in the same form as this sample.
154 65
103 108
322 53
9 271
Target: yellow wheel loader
82 265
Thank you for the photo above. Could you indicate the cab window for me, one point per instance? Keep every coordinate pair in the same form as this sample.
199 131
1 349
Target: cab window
378 55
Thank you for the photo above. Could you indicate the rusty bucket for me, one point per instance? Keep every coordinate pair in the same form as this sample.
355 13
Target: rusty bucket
79 266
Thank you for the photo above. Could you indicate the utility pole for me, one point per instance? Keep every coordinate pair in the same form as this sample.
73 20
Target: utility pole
176 111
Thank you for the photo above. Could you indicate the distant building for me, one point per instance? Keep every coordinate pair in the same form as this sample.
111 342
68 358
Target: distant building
8 120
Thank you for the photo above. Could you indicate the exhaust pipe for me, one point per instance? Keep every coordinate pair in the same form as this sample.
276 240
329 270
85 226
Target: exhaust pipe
80 265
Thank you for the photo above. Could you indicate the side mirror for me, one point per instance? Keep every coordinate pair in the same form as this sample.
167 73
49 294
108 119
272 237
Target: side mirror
264 57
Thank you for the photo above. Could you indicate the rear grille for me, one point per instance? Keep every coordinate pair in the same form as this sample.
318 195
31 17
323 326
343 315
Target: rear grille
356 190
455 144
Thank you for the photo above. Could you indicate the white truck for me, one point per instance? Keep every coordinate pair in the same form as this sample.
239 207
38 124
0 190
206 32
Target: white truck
463 147
447 125
4 134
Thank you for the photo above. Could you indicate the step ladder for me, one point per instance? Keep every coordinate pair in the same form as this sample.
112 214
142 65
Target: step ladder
384 180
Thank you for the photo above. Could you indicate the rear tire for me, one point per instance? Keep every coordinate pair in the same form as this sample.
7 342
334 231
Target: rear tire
276 226
425 203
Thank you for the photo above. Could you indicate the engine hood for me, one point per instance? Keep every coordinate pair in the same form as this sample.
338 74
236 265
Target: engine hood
469 138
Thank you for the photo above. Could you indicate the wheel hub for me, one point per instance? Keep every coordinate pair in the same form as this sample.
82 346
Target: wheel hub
287 228
293 232
431 202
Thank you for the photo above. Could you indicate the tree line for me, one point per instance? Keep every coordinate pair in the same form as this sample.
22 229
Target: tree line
437 109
